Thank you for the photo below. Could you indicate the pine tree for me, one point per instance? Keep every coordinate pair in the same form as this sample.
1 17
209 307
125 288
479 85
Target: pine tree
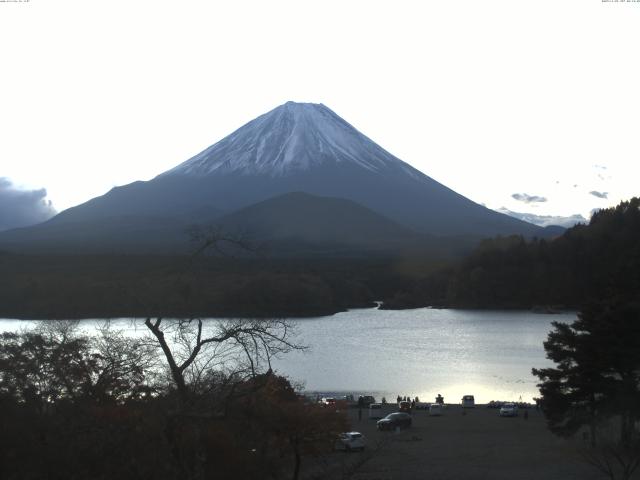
597 373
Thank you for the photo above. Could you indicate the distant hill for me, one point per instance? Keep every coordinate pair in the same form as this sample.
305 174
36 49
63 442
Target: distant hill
307 223
546 220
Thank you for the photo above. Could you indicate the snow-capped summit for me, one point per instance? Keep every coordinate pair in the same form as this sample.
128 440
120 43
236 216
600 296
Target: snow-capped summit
298 147
289 138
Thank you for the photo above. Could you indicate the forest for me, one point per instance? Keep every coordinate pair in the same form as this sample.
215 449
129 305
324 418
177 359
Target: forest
598 260
503 272
181 402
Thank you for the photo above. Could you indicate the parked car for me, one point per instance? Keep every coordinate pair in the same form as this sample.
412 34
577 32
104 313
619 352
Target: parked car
394 420
328 402
468 401
509 410
404 406
375 410
436 409
350 441
368 399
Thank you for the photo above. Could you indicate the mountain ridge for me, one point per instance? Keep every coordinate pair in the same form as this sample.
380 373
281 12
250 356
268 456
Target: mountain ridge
293 148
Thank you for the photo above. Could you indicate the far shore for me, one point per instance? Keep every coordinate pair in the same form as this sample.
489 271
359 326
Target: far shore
314 313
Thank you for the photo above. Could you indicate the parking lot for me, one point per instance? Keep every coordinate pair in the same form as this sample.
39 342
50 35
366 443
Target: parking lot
461 444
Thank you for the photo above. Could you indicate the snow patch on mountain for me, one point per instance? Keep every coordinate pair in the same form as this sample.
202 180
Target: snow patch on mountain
289 138
545 220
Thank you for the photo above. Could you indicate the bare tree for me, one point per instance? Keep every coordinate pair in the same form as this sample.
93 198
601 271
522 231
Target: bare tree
212 240
58 361
615 458
239 348
209 361
128 365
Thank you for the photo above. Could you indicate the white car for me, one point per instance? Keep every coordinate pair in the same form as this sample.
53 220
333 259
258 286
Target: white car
509 410
350 441
436 409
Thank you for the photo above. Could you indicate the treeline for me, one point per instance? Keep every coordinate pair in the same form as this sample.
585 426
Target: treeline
598 260
75 407
505 272
104 286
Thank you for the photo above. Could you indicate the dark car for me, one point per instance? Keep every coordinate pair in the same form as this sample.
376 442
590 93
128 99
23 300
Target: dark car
366 400
394 420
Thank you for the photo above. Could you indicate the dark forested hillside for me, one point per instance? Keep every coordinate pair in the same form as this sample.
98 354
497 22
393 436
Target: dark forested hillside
586 262
100 286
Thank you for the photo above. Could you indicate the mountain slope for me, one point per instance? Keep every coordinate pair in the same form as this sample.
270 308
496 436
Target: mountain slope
299 221
111 235
292 138
308 148
297 147
292 224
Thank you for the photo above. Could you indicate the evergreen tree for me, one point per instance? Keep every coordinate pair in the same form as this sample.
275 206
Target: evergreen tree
597 373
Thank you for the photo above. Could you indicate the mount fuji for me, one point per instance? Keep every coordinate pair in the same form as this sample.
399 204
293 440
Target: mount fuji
296 147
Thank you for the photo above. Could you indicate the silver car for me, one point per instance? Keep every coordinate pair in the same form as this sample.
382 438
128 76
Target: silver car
509 410
350 441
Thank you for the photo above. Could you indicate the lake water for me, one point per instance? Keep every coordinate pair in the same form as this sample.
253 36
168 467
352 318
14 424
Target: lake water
419 352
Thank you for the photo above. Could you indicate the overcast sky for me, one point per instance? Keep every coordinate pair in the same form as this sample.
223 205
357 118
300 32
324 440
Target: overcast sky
528 105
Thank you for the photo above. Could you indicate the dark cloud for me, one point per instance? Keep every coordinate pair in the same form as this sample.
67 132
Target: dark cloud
20 208
523 197
599 194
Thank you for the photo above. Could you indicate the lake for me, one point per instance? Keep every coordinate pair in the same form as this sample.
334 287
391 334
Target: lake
419 352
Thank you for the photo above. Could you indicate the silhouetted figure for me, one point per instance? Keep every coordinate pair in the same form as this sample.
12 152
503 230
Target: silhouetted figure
440 399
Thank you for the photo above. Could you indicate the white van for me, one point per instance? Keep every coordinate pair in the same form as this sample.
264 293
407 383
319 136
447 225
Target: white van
375 410
436 409
468 401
